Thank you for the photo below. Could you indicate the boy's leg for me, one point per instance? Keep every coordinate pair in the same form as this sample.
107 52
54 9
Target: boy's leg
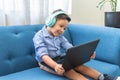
73 75
88 71
47 68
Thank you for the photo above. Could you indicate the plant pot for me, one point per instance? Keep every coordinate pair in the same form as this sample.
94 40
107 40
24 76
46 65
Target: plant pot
112 19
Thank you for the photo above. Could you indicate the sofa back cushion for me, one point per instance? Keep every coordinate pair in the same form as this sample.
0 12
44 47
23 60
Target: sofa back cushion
108 48
16 48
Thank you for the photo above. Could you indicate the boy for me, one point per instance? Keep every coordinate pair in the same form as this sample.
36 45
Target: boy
48 42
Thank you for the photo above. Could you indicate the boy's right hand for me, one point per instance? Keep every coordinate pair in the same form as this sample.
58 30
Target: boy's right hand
59 69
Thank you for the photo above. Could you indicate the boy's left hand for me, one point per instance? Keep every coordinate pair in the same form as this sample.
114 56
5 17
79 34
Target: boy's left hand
59 69
93 55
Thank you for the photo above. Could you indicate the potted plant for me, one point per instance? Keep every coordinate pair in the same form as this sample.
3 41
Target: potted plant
112 18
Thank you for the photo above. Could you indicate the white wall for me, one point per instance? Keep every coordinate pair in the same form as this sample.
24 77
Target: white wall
85 12
118 5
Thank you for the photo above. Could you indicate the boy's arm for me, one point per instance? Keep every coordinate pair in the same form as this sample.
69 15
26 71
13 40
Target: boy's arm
65 43
57 67
49 61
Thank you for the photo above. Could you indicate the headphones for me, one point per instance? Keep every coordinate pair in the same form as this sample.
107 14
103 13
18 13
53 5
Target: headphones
51 20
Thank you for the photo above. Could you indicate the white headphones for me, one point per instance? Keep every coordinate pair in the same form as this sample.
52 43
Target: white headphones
51 20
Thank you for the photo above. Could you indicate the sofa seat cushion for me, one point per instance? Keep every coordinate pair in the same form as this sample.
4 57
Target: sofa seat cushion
32 74
38 74
103 67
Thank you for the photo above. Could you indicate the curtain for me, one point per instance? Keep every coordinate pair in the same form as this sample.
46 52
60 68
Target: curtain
23 12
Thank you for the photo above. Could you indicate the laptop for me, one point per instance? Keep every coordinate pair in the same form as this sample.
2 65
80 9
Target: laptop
80 54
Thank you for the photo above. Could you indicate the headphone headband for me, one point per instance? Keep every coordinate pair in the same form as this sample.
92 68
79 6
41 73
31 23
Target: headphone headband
51 20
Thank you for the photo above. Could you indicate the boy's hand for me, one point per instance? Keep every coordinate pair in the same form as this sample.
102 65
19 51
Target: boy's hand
59 69
93 55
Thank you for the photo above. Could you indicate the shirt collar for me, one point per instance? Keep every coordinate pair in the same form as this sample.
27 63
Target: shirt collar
47 34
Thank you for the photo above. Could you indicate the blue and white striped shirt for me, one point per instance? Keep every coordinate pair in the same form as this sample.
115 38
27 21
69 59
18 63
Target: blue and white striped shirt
47 44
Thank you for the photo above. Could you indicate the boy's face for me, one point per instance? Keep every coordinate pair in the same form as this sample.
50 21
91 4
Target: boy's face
59 27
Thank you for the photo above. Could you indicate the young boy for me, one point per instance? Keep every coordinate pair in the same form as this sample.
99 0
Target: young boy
48 42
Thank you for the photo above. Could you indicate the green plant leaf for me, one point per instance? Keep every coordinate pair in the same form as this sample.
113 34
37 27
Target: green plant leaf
113 4
101 4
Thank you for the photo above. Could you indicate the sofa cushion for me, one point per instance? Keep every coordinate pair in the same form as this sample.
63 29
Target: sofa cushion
103 67
67 35
16 48
108 49
36 73
32 74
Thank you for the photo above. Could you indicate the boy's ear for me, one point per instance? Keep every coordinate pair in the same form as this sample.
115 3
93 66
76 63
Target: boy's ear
51 20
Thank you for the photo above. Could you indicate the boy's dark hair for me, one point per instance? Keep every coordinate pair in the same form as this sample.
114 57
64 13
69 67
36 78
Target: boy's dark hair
62 16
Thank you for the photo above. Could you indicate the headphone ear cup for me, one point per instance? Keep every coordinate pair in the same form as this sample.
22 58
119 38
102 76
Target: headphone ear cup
50 21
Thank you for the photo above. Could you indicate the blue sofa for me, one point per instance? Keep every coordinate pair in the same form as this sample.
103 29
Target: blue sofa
17 55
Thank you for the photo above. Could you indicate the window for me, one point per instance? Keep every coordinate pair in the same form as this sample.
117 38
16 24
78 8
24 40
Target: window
19 12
